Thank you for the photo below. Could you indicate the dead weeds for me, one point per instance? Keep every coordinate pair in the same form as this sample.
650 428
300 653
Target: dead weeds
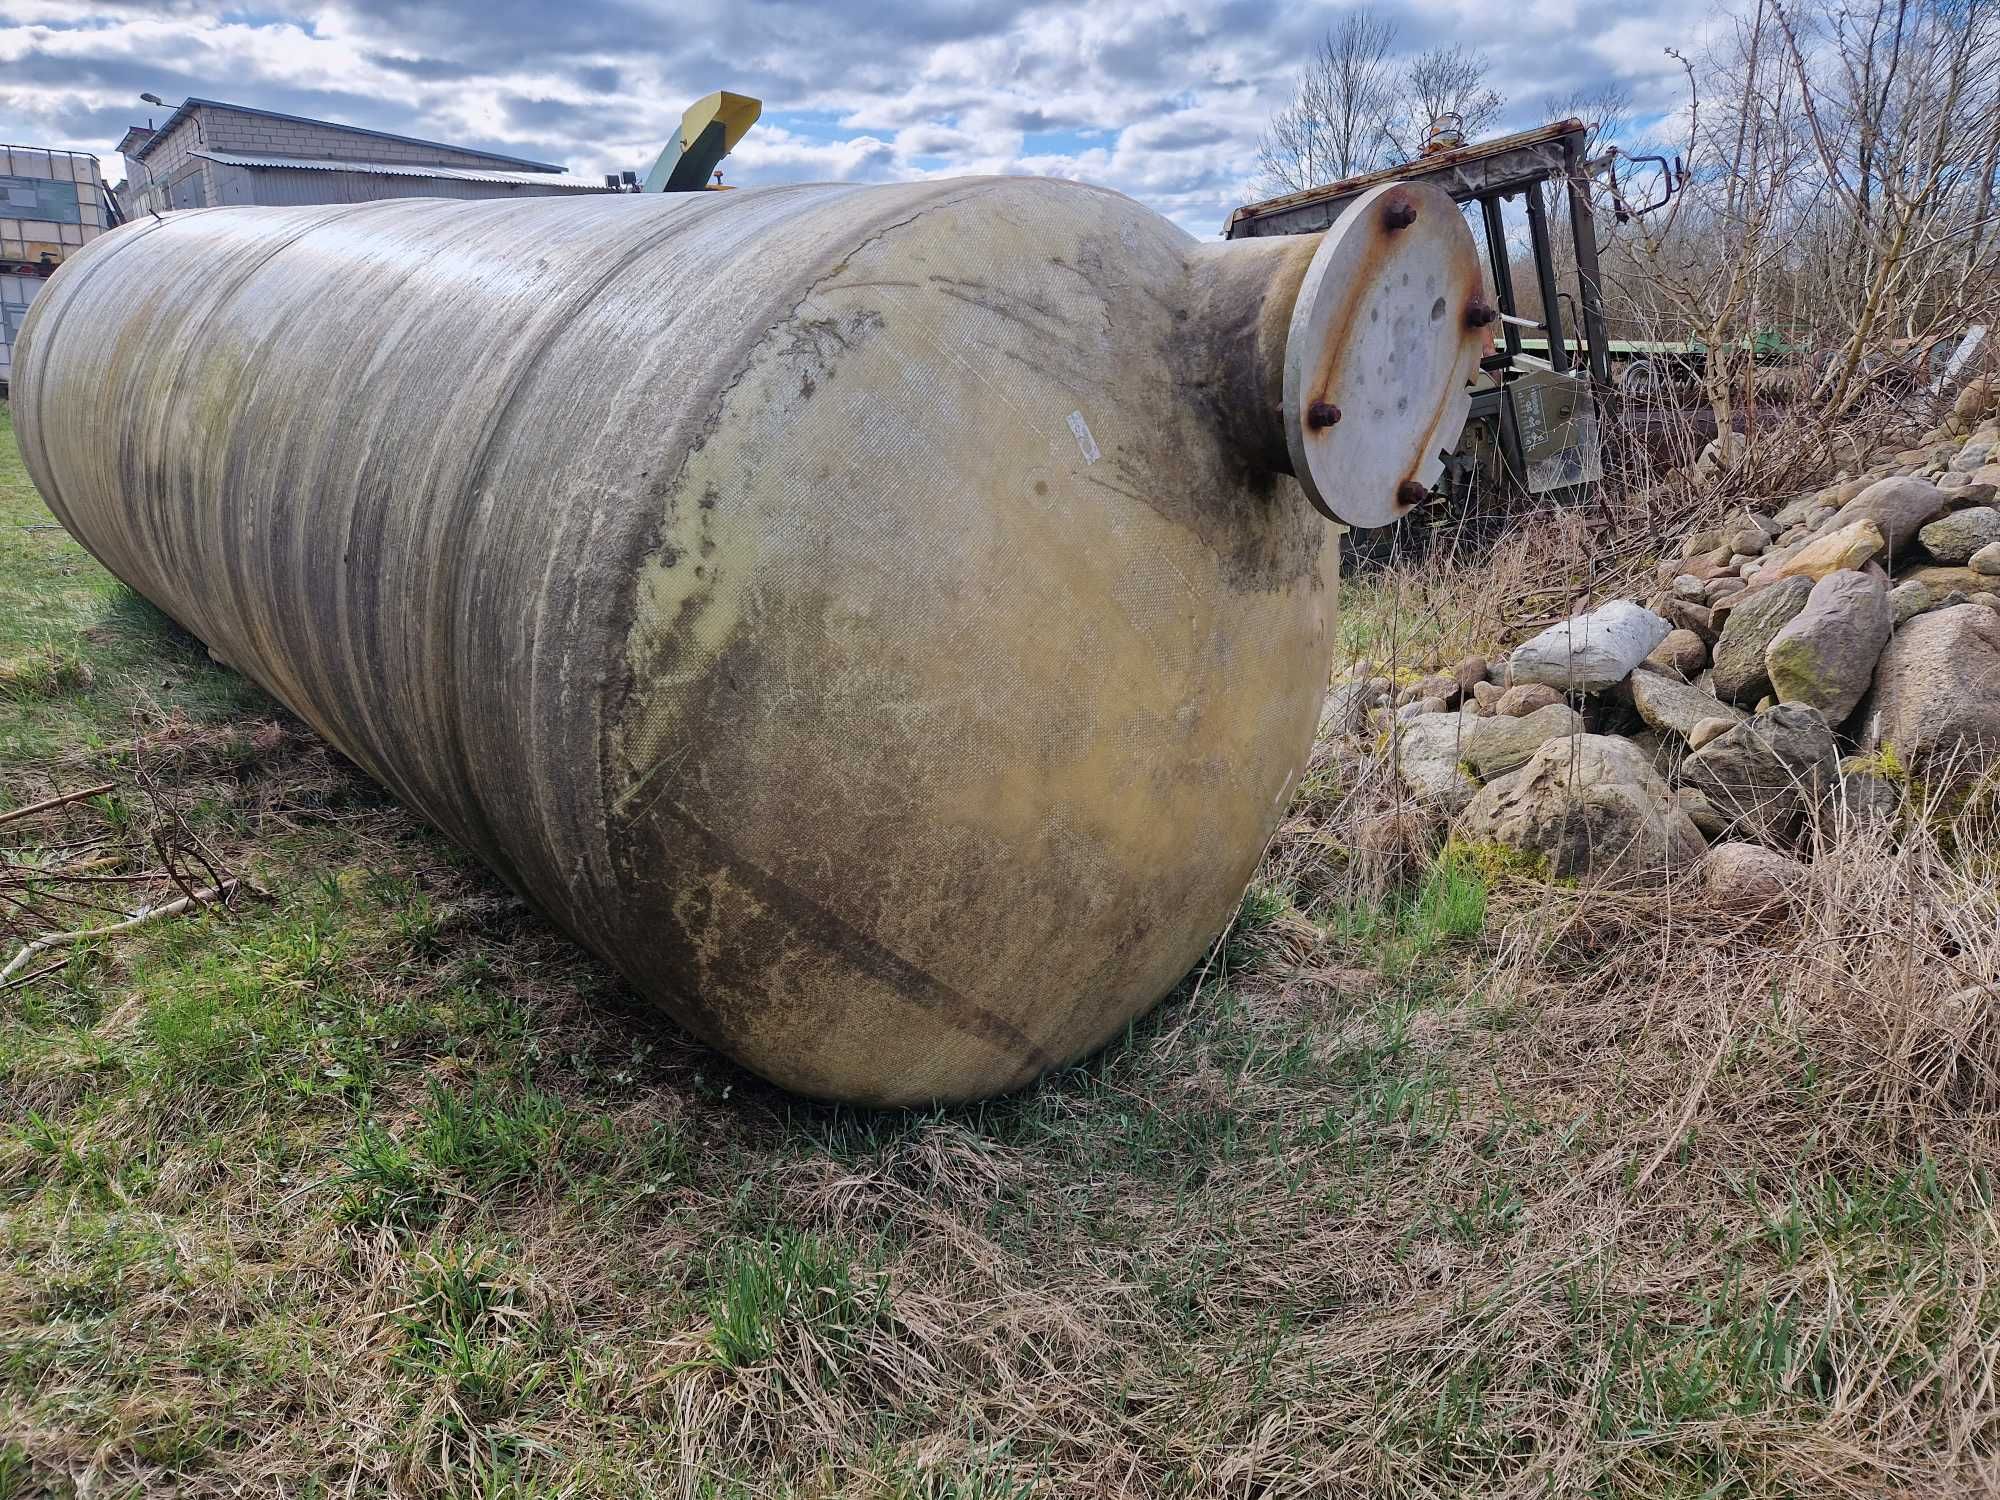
1434 1180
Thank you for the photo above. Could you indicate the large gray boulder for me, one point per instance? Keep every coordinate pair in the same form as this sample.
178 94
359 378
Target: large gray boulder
1676 707
1825 655
1493 747
1899 507
1591 805
1740 675
1956 537
1589 652
1443 757
1936 704
1769 774
1428 755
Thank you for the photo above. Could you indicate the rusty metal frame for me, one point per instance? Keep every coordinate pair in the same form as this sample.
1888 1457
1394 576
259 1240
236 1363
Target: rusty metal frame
1488 173
1502 166
1583 234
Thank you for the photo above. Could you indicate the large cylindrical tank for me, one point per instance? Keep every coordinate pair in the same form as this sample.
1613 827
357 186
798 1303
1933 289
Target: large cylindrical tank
878 620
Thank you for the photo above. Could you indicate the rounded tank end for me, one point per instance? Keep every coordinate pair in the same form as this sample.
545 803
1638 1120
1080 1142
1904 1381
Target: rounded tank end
1384 339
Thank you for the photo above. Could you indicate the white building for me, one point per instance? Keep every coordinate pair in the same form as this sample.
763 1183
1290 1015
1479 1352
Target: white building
209 154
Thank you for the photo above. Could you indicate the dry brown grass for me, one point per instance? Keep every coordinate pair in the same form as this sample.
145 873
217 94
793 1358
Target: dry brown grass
1434 1180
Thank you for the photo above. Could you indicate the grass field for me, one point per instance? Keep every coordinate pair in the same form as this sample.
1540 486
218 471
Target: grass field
1437 1182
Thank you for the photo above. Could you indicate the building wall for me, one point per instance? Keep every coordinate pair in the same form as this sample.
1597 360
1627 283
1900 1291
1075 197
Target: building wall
171 176
286 187
24 240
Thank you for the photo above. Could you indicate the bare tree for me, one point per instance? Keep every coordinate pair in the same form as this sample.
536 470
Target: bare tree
1445 80
1333 128
1605 109
1715 261
1902 98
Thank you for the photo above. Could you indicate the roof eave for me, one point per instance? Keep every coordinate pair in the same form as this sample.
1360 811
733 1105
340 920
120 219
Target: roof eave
189 104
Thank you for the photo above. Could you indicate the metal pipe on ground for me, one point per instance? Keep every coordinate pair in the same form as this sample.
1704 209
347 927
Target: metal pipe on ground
878 620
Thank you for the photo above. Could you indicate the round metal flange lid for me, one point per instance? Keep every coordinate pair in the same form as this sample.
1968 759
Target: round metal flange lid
1385 335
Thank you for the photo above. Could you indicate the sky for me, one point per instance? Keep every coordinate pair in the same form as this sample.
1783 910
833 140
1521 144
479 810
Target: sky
1160 100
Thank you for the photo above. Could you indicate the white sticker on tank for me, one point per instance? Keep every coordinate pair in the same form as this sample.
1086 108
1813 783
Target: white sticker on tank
1083 438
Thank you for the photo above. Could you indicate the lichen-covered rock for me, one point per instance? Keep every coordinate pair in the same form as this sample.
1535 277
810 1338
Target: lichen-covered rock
1739 652
1442 756
1593 807
1909 599
1428 755
1825 655
1943 579
1589 652
1769 773
1847 546
1493 747
1954 538
1936 703
1676 707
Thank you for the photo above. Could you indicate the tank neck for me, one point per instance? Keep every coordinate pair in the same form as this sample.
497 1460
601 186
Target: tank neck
1240 299
1342 358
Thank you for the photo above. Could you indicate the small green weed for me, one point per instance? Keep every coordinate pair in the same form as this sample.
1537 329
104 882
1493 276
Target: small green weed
794 1286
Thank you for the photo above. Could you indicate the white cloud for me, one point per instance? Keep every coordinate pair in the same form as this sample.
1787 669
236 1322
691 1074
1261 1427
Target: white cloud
1164 101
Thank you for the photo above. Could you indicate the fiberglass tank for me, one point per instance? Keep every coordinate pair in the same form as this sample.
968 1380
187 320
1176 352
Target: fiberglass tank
881 621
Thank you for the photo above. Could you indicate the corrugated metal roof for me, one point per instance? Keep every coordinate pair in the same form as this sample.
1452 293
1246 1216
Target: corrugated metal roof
560 181
190 104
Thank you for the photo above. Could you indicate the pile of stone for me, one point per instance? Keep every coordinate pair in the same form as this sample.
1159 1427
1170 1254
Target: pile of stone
1803 656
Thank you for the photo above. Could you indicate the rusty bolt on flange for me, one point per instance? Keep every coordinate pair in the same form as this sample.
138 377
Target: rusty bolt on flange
1398 212
1410 494
1479 312
1322 414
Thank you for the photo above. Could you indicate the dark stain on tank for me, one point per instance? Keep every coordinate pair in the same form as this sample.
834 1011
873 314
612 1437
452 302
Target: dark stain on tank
788 915
815 345
680 835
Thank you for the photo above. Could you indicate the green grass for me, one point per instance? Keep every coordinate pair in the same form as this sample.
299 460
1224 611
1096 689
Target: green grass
376 1185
